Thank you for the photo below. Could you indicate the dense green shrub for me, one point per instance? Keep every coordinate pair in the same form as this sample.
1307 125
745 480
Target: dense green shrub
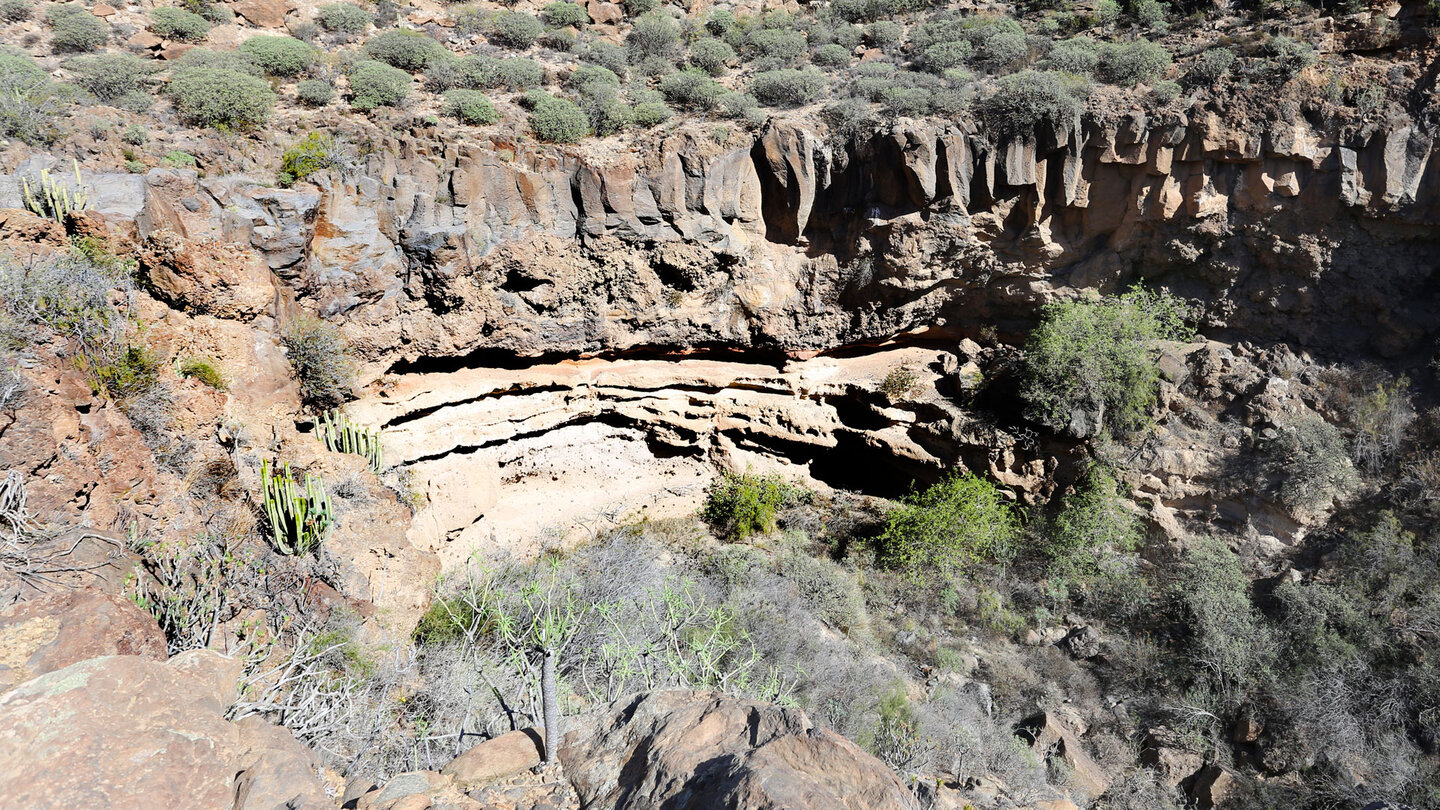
1002 51
720 22
404 49
215 97
321 362
375 84
110 76
587 76
76 29
515 29
960 521
653 36
343 18
607 55
1131 63
831 56
648 114
315 92
195 368
711 55
740 505
787 87
470 107
884 34
1210 67
280 56
1030 98
604 110
218 60
555 120
178 24
1309 459
1089 365
16 10
779 48
1079 55
471 72
1165 91
1086 547
1228 639
561 14
559 39
1150 13
691 88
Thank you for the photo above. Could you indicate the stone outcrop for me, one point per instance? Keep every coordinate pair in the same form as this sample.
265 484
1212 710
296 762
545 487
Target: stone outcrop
695 750
125 731
69 626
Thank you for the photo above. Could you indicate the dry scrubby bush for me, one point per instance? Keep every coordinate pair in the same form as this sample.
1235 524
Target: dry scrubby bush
320 360
29 102
787 87
219 60
343 18
1026 100
404 49
110 76
691 89
711 55
72 28
1308 459
315 92
16 10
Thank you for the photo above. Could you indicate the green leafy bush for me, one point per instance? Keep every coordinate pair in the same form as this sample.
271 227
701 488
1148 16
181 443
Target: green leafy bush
280 56
1210 67
1228 638
315 92
220 60
1131 63
320 360
130 374
520 73
960 521
213 97
605 111
1284 59
1309 458
315 152
788 88
885 33
648 114
1003 51
76 29
555 120
943 56
16 10
740 505
203 370
374 84
178 24
779 48
711 55
1086 545
175 159
692 89
471 107
343 18
1027 99
561 14
404 49
831 56
1089 365
1150 13
607 55
515 29
586 77
559 39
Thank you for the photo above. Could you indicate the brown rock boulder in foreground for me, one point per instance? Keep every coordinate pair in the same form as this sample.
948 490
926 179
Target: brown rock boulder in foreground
63 628
691 750
129 733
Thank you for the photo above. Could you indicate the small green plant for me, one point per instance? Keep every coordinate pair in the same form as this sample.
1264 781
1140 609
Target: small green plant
204 371
900 383
340 435
53 199
178 24
220 98
280 56
132 373
343 18
745 504
373 84
300 518
315 152
1131 63
175 159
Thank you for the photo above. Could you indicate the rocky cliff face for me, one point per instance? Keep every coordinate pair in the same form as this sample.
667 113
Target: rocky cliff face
471 276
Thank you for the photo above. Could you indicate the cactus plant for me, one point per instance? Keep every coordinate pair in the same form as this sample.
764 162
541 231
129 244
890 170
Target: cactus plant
53 199
300 517
340 435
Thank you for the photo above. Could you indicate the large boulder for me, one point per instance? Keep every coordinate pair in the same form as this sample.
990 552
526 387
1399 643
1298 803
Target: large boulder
59 629
126 732
690 750
209 278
